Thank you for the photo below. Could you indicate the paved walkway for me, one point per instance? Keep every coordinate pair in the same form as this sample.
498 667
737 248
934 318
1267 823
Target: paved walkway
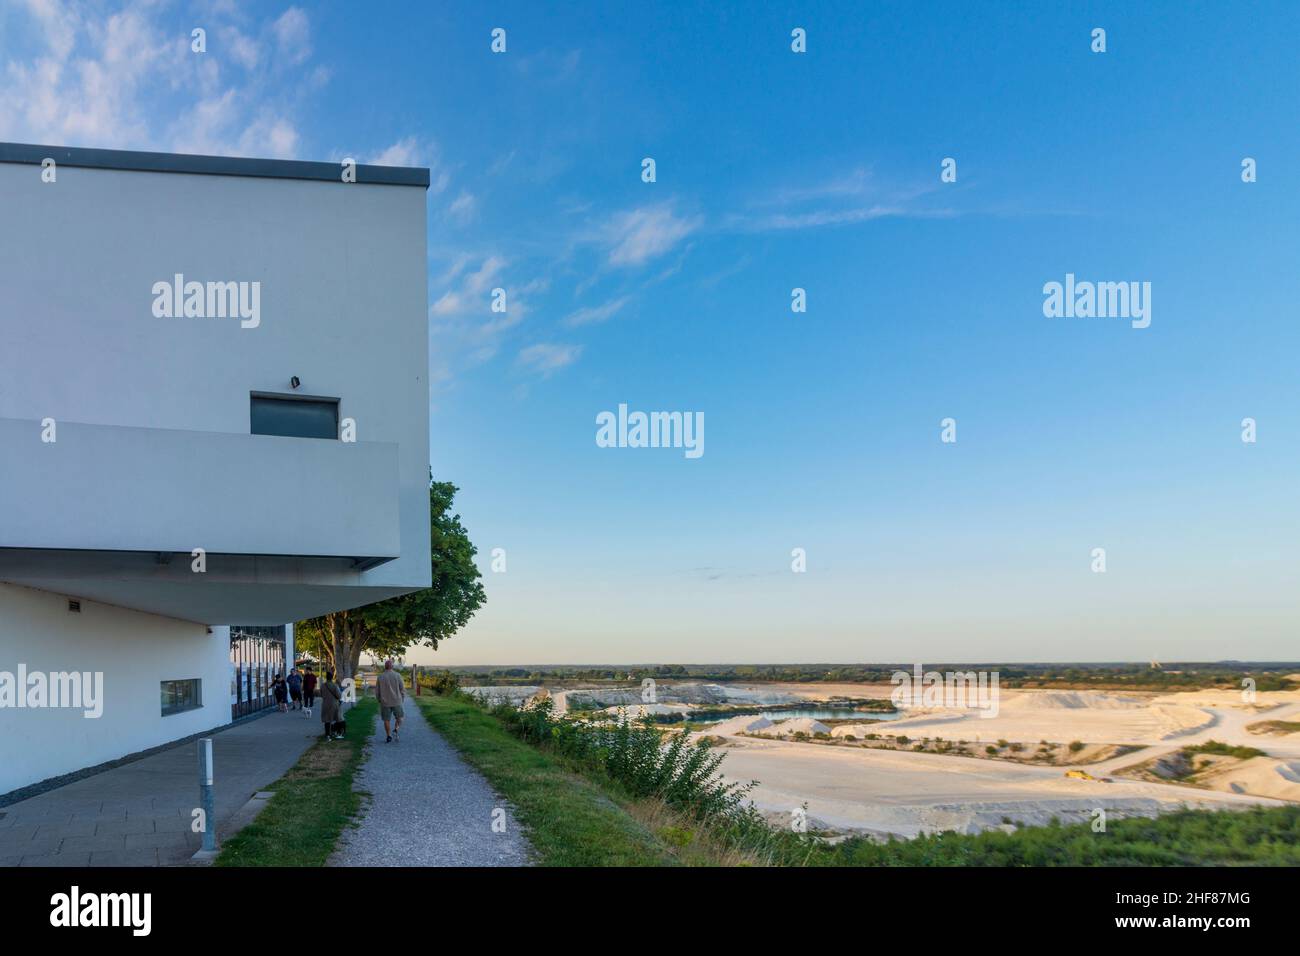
140 814
428 807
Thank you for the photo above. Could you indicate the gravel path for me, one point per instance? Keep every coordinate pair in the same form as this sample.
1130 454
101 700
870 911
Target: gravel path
428 807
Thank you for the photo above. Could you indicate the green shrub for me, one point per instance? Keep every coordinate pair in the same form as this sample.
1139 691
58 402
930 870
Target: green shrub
1258 836
1224 750
633 753
443 683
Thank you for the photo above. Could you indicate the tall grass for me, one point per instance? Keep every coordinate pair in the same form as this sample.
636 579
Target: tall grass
648 763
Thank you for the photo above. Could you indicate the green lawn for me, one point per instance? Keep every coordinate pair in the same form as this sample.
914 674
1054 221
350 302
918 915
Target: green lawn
571 821
313 802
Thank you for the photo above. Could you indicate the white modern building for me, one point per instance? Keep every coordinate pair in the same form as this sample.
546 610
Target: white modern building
213 414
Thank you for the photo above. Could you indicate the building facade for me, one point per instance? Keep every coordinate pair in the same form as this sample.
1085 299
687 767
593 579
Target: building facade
213 413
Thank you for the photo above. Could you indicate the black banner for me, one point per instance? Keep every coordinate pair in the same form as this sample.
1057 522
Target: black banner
204 902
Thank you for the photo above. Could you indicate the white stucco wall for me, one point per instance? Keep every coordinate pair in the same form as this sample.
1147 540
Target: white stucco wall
344 302
343 306
134 651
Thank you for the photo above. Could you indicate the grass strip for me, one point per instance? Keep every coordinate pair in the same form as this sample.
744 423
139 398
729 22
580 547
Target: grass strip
571 821
313 802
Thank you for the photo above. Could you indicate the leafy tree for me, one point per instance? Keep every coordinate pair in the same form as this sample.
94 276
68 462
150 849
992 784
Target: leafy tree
424 618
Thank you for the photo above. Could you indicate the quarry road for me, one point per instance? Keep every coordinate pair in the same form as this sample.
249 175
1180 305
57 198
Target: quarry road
427 807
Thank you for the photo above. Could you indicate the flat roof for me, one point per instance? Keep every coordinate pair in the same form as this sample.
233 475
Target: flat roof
208 165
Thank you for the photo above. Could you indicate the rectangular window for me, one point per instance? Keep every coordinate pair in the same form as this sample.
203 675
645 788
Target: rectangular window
179 696
292 416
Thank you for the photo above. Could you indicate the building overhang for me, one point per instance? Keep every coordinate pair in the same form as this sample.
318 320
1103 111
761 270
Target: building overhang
206 526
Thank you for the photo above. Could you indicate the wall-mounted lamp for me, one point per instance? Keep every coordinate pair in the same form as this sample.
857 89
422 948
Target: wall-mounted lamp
294 382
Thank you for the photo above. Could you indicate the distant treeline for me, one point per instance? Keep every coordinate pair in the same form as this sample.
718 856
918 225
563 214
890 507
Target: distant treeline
1174 675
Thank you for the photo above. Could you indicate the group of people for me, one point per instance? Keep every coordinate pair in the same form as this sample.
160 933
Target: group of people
298 692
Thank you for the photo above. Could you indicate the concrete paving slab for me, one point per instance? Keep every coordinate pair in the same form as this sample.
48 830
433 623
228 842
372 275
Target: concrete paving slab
139 814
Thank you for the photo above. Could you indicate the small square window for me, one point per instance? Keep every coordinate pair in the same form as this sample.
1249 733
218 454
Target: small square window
179 696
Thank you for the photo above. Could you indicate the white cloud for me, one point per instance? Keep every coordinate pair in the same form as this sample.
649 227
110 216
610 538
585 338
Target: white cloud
640 235
471 295
292 33
98 75
244 50
546 358
83 87
404 152
595 314
823 217
463 207
272 136
853 197
462 322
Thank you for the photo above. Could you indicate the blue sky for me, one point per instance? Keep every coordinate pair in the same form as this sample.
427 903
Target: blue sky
819 170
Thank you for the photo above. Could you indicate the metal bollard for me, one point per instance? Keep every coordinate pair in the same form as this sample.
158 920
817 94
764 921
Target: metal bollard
206 795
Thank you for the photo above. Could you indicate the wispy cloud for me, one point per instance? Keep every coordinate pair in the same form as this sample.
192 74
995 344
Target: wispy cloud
546 358
636 237
857 195
471 293
101 75
463 207
292 36
823 217
462 322
597 313
404 152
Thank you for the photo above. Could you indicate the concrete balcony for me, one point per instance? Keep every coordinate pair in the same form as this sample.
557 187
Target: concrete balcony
113 513
108 488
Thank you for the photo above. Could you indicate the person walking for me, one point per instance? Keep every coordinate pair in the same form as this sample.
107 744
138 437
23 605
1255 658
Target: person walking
281 691
391 692
309 690
294 680
331 699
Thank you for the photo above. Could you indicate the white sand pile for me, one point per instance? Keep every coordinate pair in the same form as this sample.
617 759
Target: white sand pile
859 731
1029 716
796 725
1231 699
1259 776
1073 700
743 724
